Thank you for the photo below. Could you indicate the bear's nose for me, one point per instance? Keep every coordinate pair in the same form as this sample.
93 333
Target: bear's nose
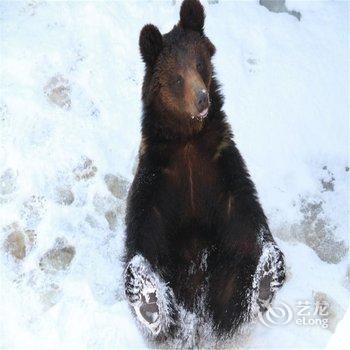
202 99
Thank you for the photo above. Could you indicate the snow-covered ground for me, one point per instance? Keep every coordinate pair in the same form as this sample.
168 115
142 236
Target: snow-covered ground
69 131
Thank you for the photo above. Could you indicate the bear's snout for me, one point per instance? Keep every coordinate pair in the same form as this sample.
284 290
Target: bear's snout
202 102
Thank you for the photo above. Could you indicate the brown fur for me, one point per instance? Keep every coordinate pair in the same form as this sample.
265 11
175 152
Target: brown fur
188 173
230 205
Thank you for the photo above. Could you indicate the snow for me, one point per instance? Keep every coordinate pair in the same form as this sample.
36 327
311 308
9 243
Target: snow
70 85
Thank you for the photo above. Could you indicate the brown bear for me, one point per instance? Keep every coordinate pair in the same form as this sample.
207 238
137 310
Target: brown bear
197 238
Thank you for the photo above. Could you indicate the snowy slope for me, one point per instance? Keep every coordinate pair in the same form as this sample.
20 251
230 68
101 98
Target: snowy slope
70 88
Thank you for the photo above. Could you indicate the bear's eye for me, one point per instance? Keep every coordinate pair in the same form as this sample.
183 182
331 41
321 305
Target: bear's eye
178 80
200 65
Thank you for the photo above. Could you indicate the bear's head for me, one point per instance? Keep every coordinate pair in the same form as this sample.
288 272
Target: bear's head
176 89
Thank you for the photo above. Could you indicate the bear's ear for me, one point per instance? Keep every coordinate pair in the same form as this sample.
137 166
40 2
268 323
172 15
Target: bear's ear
192 15
151 43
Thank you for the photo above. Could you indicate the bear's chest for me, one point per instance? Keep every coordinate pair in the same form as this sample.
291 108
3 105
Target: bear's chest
192 177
